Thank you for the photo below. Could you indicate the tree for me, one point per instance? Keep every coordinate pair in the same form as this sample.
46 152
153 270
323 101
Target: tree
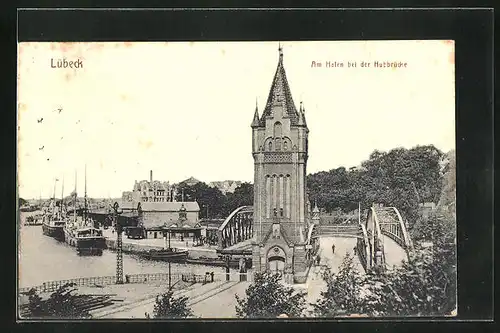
205 196
22 202
344 292
426 284
268 297
62 303
167 306
242 196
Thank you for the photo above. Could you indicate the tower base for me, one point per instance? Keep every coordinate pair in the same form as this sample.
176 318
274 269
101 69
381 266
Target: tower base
291 261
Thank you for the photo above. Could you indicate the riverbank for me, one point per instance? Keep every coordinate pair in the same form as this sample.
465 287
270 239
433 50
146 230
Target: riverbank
134 246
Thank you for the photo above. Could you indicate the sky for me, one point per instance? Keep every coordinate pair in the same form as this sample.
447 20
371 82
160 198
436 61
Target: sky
184 109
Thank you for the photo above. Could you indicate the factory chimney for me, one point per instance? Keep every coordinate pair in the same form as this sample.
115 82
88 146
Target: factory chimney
151 176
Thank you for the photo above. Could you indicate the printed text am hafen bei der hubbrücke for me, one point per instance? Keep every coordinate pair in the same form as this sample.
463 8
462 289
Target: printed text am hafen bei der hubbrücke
359 64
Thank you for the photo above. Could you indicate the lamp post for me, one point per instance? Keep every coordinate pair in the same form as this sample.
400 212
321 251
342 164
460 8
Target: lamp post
119 254
227 258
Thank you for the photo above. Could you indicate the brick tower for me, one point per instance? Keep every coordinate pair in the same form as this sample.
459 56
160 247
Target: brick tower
279 148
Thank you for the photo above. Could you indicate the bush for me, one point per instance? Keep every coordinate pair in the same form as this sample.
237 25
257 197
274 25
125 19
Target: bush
343 294
167 306
268 297
62 303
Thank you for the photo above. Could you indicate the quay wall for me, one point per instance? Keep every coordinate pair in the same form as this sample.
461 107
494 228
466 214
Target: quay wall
134 248
131 247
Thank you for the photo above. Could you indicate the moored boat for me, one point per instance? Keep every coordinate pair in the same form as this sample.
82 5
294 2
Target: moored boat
54 227
171 255
87 240
81 233
33 220
218 262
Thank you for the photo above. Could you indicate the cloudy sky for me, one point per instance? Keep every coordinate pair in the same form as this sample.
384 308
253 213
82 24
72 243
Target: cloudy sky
184 109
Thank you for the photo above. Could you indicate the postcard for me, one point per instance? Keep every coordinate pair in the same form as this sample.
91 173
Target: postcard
311 179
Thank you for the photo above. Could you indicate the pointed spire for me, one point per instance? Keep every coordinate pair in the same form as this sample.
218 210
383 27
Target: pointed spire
280 94
256 121
315 209
302 116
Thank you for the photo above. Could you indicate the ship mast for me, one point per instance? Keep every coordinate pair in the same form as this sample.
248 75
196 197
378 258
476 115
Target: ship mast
52 207
85 199
76 197
62 199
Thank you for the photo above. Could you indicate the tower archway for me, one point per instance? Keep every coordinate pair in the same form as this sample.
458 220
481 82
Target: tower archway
276 259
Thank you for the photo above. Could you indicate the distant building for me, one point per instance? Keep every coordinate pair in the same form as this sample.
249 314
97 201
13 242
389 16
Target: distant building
226 186
150 191
153 202
190 181
153 216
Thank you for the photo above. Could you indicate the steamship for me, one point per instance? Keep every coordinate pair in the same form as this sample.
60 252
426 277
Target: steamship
53 219
80 232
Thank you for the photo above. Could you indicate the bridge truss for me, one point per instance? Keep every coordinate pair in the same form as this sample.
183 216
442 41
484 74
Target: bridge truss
236 228
381 221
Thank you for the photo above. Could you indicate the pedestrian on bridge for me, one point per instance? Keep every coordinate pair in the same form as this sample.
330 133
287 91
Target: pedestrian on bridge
333 248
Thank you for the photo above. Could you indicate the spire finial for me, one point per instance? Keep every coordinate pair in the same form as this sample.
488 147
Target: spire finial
280 49
300 106
256 103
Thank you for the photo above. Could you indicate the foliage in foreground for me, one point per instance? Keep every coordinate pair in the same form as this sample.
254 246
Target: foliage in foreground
268 297
343 292
61 304
425 285
167 306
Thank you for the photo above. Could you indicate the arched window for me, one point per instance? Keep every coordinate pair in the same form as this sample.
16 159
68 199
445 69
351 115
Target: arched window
278 143
270 145
277 129
285 145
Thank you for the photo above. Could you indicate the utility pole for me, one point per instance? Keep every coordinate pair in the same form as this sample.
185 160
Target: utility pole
359 213
119 253
169 270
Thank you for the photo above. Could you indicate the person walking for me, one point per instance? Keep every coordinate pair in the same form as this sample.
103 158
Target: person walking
333 248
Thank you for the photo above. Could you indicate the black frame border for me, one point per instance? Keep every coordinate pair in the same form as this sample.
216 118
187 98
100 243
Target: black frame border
472 30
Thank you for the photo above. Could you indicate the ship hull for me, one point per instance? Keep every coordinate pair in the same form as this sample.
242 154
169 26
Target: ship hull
234 263
93 246
171 256
53 231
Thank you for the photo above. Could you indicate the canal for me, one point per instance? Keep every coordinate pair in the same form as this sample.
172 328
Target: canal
42 258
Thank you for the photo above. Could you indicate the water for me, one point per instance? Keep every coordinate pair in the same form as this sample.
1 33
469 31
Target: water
42 259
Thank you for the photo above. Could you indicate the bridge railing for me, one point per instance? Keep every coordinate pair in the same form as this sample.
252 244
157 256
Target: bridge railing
378 241
395 228
237 227
363 249
346 230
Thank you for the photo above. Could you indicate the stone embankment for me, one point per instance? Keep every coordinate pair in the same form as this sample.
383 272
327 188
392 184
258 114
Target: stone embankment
135 246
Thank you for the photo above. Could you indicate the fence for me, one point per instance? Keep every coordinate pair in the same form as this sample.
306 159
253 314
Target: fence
349 230
52 286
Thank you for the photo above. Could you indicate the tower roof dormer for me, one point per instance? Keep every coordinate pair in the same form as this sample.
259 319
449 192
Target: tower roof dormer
280 94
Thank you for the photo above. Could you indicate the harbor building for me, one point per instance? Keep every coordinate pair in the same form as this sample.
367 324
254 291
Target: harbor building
153 204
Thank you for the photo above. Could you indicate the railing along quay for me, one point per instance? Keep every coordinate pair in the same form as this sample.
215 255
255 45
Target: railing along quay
52 286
